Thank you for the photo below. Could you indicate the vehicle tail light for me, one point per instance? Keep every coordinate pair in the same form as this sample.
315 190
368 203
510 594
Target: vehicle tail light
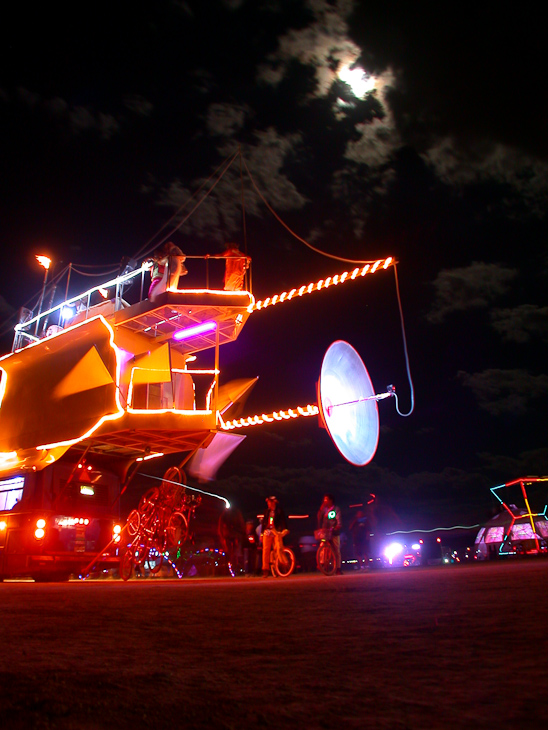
116 530
40 531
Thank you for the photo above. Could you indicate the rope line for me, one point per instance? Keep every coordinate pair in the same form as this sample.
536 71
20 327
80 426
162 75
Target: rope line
295 235
406 353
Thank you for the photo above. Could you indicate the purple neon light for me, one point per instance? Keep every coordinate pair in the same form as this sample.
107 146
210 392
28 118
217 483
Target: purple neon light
198 329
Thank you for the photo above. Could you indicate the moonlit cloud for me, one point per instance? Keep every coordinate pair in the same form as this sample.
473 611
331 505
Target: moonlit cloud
219 215
225 120
477 285
360 82
505 391
324 45
375 145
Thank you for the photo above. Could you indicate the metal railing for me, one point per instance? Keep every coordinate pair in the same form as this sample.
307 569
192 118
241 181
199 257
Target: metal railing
32 328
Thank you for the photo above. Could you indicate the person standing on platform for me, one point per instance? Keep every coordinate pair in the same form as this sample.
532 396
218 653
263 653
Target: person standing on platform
167 267
236 266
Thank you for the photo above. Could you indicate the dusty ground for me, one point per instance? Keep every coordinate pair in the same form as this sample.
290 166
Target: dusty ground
454 647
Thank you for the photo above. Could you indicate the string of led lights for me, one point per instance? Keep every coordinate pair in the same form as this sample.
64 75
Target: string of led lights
346 276
309 410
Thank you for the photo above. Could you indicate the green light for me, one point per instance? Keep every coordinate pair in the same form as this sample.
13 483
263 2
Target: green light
331 514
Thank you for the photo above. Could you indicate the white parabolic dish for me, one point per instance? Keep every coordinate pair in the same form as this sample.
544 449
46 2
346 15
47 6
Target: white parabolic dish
352 422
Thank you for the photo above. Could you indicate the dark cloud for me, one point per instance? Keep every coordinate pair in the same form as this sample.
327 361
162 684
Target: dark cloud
419 500
521 323
138 104
475 286
524 177
505 391
82 119
77 118
527 463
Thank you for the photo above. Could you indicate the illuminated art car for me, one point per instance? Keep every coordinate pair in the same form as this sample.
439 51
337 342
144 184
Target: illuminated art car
100 389
514 531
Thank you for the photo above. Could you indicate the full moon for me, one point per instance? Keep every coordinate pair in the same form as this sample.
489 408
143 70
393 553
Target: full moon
358 80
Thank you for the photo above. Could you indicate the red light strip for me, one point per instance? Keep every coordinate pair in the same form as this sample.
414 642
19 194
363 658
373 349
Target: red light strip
322 284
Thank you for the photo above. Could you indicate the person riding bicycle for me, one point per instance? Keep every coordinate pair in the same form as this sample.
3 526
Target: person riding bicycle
329 518
273 523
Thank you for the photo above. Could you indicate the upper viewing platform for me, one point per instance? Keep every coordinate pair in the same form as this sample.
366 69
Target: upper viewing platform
191 318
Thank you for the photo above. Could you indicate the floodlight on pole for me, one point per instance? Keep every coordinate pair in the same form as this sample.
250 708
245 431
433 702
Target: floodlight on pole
44 261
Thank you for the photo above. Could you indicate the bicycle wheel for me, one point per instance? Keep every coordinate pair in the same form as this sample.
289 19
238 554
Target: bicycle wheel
177 529
325 559
126 564
284 564
133 523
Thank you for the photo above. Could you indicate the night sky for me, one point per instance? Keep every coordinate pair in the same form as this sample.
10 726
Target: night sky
113 115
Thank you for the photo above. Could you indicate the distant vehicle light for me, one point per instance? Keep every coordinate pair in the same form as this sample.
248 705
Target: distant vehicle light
3 525
40 524
390 552
39 533
117 529
415 546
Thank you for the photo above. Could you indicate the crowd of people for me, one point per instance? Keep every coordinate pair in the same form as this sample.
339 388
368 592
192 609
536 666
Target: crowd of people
248 545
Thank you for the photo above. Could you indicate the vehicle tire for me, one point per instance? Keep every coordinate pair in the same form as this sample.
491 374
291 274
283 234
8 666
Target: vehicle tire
177 529
282 568
325 559
133 523
126 564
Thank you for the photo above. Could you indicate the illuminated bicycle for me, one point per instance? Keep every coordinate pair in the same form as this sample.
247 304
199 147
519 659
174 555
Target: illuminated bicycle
282 560
325 556
161 523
